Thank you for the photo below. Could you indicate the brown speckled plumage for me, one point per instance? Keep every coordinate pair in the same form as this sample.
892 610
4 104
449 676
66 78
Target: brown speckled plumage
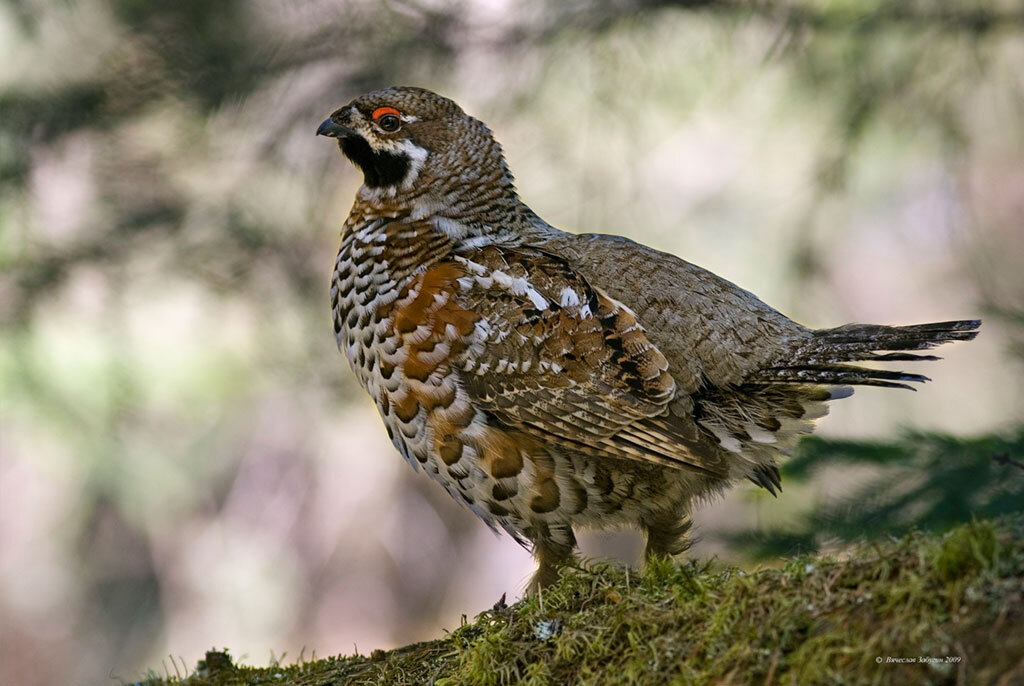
550 380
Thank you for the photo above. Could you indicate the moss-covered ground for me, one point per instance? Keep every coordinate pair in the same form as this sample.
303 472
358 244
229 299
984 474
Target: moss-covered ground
923 609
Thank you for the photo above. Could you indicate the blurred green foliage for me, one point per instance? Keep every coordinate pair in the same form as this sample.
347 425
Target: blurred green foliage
921 481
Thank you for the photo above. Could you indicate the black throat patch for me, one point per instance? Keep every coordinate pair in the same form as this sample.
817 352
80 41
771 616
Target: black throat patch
381 168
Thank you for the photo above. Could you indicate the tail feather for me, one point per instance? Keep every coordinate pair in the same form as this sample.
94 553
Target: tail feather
825 358
767 477
900 357
871 337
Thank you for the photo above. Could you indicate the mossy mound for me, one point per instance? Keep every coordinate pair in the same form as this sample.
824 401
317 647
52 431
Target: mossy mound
923 609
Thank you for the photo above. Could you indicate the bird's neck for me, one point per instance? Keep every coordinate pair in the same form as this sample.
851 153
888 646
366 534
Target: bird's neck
467 214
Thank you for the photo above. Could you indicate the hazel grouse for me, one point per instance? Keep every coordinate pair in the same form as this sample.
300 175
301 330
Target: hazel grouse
550 380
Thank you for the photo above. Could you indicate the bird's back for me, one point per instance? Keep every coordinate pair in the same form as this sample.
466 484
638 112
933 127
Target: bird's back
712 331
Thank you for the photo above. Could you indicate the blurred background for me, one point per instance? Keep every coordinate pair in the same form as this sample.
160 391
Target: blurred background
185 459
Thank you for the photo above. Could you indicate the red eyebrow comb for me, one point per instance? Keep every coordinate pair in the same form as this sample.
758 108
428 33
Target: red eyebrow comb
381 111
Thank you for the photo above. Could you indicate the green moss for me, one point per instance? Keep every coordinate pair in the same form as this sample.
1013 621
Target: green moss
814 620
964 550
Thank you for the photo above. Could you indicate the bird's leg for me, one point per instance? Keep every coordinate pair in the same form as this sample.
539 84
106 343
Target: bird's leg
667 533
552 548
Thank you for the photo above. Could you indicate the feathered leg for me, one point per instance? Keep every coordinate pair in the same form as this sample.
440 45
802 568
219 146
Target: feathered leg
552 548
667 532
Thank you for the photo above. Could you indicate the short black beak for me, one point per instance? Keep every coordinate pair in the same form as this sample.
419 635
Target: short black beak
333 129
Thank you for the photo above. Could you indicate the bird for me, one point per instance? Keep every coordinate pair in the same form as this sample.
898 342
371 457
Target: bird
553 381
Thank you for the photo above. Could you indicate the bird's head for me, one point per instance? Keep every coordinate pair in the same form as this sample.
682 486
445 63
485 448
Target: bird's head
410 142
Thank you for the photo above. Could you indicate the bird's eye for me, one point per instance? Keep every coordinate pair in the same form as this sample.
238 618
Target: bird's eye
387 118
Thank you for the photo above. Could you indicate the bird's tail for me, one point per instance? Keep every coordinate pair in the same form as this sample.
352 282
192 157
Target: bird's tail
825 358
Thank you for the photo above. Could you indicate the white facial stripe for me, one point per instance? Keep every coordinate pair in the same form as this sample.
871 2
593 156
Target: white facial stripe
416 155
